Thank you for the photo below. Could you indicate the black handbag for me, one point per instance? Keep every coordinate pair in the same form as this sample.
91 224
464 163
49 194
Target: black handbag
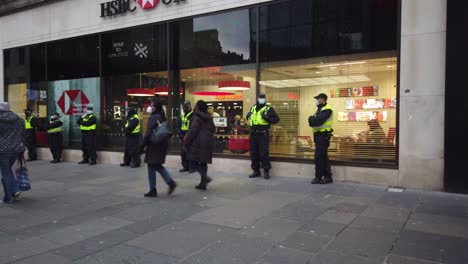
160 134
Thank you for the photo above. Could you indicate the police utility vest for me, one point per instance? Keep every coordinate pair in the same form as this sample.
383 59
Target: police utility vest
88 128
136 130
186 121
327 126
54 130
27 122
256 117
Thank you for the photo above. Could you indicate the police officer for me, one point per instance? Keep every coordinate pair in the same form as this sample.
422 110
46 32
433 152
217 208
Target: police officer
30 124
260 117
133 135
55 137
322 123
87 124
183 125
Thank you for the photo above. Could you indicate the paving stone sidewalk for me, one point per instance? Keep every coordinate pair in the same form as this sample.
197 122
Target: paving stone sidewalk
83 214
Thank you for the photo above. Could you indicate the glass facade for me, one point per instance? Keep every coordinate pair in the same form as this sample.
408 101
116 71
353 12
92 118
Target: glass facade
291 50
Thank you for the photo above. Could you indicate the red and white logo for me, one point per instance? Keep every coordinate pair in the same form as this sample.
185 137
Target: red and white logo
147 4
73 102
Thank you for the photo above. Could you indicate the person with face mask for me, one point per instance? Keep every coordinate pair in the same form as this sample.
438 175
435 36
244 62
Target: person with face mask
132 135
55 137
87 124
30 124
183 125
260 117
322 123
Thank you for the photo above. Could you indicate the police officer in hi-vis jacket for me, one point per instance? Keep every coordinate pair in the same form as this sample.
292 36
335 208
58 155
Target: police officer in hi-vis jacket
260 117
183 125
87 124
322 123
30 124
132 135
55 137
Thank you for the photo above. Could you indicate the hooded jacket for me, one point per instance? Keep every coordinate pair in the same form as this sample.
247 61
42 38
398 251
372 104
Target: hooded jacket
199 140
12 133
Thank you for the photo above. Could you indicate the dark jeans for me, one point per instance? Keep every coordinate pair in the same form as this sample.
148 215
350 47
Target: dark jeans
88 145
259 150
132 148
322 163
8 177
152 168
31 143
186 164
56 142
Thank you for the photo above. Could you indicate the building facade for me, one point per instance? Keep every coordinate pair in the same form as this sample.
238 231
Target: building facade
379 60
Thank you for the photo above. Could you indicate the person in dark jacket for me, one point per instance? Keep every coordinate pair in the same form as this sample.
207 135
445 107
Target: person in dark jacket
155 155
132 135
87 124
199 142
183 125
322 123
55 137
260 117
30 123
12 132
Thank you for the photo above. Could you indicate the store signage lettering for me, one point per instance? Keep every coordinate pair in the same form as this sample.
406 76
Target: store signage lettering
118 50
119 7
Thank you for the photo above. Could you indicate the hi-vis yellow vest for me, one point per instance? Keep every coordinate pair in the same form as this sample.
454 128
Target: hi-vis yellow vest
186 121
136 130
88 128
256 117
327 126
54 130
27 122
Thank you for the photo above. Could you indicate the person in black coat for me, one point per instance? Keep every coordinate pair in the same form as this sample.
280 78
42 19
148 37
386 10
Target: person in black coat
132 135
199 141
155 155
87 124
55 137
31 125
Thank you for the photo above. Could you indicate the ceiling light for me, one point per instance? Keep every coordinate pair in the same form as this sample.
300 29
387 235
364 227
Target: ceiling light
327 65
164 90
140 92
354 62
234 85
332 68
212 93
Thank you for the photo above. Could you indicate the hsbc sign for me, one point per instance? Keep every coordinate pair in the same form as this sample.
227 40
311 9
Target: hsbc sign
119 7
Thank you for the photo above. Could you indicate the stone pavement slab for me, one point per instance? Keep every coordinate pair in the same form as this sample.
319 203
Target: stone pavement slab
282 255
438 224
271 228
19 249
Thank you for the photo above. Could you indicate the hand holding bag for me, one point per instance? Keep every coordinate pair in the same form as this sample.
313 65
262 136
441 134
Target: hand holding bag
22 178
160 133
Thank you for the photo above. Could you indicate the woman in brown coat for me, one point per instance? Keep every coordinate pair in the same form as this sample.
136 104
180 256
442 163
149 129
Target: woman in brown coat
199 141
156 154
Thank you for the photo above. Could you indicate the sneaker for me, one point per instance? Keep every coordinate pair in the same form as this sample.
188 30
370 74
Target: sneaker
172 188
326 180
124 164
255 174
315 181
183 170
15 195
83 162
152 193
93 162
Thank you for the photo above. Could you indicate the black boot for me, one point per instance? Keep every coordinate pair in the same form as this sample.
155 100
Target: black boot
316 180
266 174
172 187
203 183
124 164
255 174
152 193
83 162
326 180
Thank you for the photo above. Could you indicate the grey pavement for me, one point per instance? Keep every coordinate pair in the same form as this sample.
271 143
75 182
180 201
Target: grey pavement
97 214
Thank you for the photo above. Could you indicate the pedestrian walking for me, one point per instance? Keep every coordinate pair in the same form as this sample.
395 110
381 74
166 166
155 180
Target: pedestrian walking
87 124
183 125
199 142
30 124
260 117
12 132
322 128
55 137
155 154
132 139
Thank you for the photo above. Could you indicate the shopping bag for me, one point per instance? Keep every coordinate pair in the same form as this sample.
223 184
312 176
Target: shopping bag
21 173
160 133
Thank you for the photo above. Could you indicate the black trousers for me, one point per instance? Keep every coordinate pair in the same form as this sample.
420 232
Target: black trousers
56 145
259 150
31 143
322 163
88 145
132 148
183 156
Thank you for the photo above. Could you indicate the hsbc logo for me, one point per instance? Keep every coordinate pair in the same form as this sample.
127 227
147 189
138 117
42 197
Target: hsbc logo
119 7
73 102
